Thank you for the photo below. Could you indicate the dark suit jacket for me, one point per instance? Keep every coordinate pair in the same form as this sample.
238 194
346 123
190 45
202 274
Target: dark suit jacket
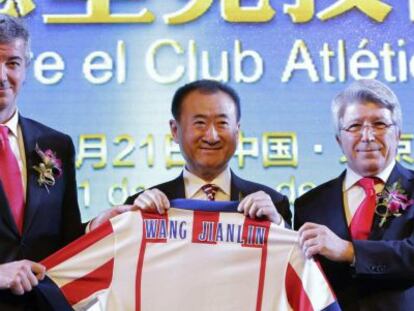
383 276
51 219
174 189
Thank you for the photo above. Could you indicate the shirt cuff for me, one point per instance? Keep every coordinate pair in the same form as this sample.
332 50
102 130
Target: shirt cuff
88 227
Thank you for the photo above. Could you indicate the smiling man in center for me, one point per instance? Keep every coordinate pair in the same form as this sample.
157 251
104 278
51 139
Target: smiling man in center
206 126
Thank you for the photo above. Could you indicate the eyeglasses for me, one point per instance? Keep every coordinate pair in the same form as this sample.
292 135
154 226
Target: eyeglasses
378 128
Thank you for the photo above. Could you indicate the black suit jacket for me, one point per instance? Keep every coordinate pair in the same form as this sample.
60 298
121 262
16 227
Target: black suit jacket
174 189
383 276
51 219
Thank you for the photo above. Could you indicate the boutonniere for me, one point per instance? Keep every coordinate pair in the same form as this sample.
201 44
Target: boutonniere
48 169
391 202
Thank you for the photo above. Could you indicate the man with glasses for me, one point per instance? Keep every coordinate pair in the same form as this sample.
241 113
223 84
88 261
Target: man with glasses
361 224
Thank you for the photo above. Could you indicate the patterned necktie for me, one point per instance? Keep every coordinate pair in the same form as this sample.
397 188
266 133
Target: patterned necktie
210 190
361 222
11 179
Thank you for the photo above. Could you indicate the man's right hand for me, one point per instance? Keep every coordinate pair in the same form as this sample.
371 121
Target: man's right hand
21 276
153 201
316 239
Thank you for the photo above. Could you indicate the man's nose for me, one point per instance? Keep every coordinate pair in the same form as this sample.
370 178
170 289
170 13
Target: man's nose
368 133
211 134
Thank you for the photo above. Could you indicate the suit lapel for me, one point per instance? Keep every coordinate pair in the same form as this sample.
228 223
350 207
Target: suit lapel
405 178
5 212
237 192
179 189
334 213
174 189
401 175
33 195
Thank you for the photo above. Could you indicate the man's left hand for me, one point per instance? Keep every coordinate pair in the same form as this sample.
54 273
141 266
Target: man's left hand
317 239
259 204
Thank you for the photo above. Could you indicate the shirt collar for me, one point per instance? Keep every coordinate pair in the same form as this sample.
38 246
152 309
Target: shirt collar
352 177
193 183
13 122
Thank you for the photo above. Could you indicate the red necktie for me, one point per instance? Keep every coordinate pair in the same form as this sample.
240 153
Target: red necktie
11 179
210 190
361 222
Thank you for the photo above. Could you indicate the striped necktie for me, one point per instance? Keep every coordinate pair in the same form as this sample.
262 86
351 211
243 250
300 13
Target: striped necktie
210 190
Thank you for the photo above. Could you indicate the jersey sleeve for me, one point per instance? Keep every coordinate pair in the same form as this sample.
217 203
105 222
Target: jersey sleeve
307 288
83 270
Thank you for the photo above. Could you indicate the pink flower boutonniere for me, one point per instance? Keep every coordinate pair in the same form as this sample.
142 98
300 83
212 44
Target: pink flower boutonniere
392 201
48 169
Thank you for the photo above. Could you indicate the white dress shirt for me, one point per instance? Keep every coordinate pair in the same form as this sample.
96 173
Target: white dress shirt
193 184
355 194
17 146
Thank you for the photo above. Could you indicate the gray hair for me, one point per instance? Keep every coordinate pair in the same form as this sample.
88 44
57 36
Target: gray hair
12 28
362 92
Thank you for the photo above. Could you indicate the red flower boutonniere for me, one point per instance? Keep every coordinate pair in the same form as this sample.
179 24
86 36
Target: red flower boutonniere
48 169
392 201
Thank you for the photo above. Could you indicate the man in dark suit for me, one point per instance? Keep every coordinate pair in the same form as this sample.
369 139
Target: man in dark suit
38 203
39 210
206 127
361 224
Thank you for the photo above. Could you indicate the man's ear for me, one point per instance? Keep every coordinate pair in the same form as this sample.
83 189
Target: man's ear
338 140
174 129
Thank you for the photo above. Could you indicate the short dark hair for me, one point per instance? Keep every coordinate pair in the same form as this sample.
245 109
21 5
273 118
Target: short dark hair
12 28
206 87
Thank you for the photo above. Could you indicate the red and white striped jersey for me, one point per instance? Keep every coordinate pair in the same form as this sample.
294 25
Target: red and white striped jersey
189 260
